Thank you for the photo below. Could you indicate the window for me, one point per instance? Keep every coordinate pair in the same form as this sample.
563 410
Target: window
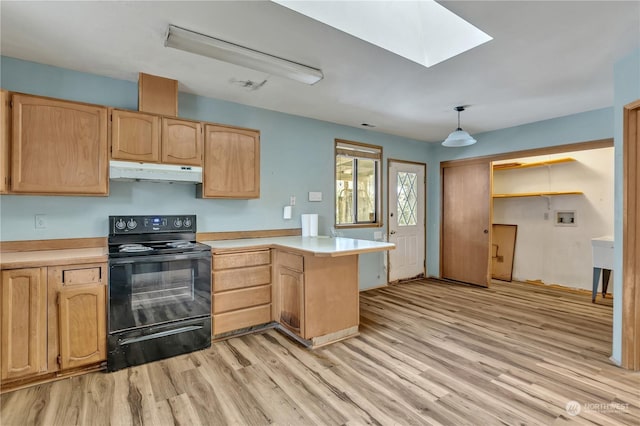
357 184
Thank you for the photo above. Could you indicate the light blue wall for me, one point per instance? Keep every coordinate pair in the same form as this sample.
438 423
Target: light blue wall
591 125
296 157
626 90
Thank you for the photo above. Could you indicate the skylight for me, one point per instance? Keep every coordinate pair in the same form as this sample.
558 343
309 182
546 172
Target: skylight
422 31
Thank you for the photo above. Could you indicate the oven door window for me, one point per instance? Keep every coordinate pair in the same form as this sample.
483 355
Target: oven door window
158 289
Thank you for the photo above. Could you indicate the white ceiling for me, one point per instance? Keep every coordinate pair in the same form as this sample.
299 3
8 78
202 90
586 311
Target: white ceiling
547 59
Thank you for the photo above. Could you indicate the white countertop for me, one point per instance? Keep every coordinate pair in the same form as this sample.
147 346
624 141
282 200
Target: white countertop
318 246
605 239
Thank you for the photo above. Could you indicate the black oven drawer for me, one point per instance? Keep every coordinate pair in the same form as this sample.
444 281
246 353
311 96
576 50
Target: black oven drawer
155 343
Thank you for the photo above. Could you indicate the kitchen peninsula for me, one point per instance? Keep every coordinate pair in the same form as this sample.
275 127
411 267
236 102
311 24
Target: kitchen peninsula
307 285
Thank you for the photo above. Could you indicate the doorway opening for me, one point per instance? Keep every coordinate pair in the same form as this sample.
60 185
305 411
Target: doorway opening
559 203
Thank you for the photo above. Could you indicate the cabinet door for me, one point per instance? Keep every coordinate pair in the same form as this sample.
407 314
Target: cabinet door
5 123
135 136
24 322
291 303
58 147
181 142
83 327
231 163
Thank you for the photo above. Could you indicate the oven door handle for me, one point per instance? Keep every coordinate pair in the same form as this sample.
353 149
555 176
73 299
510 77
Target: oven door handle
130 340
160 257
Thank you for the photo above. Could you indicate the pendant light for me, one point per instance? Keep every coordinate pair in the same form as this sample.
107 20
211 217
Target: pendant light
459 137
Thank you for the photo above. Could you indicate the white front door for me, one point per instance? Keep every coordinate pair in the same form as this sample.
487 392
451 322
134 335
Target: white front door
406 219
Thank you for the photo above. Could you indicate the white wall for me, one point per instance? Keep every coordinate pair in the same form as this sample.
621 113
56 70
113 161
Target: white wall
558 254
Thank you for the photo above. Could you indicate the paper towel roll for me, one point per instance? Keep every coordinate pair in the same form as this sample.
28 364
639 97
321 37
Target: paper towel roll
309 225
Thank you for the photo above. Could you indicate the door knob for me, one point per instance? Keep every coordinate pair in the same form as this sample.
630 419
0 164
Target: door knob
486 231
393 232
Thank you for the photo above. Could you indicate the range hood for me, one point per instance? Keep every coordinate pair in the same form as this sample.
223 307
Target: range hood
131 171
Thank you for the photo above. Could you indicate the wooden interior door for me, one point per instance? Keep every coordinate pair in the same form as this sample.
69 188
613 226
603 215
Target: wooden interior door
466 223
631 239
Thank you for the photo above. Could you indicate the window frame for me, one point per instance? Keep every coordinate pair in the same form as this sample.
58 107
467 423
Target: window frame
368 152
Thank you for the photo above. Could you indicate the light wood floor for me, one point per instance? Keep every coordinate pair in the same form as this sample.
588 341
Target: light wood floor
428 353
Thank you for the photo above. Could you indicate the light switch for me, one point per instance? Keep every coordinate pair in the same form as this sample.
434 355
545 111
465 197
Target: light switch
315 196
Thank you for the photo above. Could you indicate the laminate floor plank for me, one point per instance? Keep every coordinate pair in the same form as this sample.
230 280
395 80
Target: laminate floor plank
310 394
429 352
315 364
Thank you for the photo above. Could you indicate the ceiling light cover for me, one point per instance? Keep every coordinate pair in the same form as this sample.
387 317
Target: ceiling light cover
458 137
200 44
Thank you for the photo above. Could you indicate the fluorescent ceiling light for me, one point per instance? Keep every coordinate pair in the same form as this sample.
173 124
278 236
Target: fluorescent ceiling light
422 31
201 44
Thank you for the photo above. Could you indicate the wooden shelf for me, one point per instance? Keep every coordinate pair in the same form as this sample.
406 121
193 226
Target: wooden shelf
537 194
513 166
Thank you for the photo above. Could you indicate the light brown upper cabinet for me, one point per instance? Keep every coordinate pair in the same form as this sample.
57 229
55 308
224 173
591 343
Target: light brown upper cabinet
58 147
135 136
5 127
150 138
231 163
181 142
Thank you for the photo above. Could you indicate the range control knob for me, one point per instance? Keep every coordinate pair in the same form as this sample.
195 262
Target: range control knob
132 224
187 223
177 223
121 224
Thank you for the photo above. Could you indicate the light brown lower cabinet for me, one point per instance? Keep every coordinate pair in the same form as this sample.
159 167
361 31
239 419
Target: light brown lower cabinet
82 326
24 322
317 297
241 290
53 319
290 292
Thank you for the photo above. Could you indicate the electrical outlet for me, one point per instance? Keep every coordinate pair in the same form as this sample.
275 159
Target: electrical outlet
377 235
41 221
292 200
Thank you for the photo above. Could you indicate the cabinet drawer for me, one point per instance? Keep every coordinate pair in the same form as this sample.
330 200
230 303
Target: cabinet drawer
78 274
291 261
240 260
235 320
240 278
242 298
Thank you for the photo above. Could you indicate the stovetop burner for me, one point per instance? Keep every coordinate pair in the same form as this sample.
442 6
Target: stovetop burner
181 244
133 248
